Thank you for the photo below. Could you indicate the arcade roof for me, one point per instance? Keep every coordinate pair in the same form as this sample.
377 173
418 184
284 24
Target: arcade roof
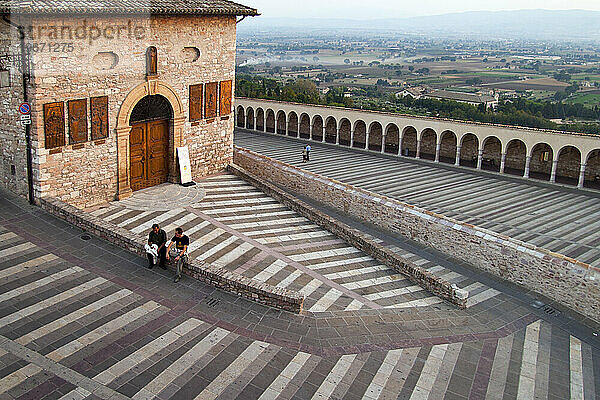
164 7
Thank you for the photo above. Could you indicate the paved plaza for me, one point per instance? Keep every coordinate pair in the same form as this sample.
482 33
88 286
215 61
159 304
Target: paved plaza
81 319
559 220
241 229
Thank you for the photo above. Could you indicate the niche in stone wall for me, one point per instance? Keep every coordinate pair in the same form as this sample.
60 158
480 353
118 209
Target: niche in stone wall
190 54
105 60
4 78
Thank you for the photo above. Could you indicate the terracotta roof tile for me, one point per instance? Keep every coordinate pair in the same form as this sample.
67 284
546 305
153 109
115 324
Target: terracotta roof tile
168 7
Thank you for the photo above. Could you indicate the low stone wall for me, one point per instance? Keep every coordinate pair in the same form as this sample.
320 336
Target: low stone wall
566 281
436 285
210 274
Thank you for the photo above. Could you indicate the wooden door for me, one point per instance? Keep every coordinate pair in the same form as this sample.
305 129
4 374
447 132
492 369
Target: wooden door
158 164
137 154
148 144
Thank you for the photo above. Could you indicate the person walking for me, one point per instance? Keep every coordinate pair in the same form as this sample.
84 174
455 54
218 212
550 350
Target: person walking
308 149
156 247
178 252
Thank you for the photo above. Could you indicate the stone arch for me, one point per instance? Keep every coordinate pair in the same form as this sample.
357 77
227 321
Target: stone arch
516 154
345 132
392 139
409 141
360 134
448 143
260 120
250 118
281 122
469 150
317 128
304 128
592 170
240 117
375 136
428 144
492 154
270 121
330 130
540 165
293 124
569 164
123 129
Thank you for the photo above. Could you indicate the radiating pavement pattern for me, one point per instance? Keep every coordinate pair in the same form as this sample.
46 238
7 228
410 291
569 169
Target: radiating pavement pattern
241 229
555 219
85 320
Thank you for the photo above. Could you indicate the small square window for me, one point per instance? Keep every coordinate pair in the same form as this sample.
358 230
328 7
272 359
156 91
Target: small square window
4 78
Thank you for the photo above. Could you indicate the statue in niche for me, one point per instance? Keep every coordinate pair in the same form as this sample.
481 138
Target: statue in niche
151 61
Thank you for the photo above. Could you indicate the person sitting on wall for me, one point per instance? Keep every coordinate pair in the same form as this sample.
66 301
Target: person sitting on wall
156 247
178 252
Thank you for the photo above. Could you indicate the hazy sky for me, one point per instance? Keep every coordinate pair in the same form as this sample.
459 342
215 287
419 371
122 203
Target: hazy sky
366 9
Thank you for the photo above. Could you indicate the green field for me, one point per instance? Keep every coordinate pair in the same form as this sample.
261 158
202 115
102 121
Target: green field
587 99
582 77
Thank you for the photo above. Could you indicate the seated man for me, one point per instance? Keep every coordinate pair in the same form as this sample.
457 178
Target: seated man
181 243
156 247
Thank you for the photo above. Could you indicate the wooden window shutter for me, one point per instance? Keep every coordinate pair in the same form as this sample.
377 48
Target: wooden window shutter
225 104
78 126
54 124
196 102
210 109
99 117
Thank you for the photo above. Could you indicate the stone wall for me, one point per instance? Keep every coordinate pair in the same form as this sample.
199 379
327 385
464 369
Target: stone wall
210 274
448 146
13 155
191 50
569 162
569 282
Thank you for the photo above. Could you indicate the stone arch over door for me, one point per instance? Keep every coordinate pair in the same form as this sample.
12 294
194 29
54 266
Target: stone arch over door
123 131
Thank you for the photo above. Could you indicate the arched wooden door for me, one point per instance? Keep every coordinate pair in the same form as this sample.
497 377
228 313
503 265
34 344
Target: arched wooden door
149 142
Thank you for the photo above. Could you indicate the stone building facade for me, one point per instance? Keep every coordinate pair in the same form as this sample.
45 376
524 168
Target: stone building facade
115 91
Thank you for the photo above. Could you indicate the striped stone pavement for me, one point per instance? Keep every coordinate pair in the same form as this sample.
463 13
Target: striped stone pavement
239 228
558 220
69 333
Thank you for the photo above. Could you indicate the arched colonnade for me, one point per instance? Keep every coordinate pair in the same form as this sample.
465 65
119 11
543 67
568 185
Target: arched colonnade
526 155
